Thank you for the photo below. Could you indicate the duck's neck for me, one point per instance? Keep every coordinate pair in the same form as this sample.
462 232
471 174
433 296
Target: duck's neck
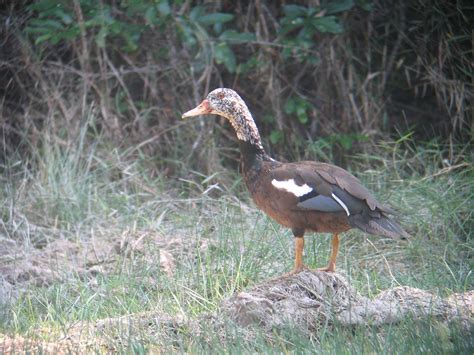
247 133
252 156
252 164
239 116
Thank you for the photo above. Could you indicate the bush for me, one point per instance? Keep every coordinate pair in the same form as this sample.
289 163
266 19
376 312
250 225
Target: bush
348 71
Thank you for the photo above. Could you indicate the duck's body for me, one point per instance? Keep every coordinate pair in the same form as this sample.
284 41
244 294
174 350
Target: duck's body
303 196
261 176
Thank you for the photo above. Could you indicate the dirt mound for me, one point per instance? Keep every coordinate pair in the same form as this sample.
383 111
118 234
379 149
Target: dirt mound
23 265
19 344
309 301
312 299
102 336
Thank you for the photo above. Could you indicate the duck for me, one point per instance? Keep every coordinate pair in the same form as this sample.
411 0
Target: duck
304 196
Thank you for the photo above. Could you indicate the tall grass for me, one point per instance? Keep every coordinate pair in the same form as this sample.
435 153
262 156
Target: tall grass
404 66
220 245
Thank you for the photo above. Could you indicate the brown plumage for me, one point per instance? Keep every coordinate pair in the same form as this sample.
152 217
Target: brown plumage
303 196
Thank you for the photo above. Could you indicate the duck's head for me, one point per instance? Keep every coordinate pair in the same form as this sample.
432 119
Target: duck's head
223 102
227 103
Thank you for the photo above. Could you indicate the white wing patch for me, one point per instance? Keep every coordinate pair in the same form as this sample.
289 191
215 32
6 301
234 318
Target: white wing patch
291 187
342 204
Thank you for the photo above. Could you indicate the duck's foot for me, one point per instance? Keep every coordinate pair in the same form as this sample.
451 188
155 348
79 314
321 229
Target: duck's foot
329 268
296 270
300 268
332 259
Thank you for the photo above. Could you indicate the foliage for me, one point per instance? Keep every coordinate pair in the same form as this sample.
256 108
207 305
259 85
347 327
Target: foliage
334 71
298 107
300 24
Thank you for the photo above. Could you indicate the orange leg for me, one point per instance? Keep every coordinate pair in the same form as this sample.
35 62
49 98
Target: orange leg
299 248
332 260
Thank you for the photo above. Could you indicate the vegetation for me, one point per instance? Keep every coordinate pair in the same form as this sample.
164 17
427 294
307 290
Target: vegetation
87 238
350 72
112 206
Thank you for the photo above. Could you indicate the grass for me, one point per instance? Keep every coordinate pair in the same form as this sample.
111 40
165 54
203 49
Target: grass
217 245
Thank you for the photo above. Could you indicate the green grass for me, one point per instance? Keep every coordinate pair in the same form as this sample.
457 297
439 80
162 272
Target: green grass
223 245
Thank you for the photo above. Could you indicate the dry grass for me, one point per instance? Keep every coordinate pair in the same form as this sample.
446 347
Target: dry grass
124 261
387 77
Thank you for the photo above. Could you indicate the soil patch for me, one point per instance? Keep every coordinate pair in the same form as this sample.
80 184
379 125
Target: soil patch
23 265
312 299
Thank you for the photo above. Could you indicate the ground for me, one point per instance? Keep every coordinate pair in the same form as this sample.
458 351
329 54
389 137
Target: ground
132 265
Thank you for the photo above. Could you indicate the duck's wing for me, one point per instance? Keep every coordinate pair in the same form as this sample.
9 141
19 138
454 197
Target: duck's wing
328 188
325 187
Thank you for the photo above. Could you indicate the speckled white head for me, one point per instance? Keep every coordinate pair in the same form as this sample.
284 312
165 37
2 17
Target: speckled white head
227 103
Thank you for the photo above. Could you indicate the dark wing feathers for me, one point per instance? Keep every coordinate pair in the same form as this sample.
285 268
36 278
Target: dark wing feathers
327 179
350 184
381 225
319 203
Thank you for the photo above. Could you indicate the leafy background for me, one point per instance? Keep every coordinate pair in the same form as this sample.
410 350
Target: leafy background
323 78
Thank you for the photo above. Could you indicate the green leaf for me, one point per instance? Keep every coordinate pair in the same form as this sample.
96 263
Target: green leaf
56 38
102 36
336 6
164 8
234 36
212 19
276 136
306 33
301 113
196 13
120 103
365 5
245 67
43 38
117 28
290 106
346 141
327 24
71 33
287 52
34 30
150 15
218 27
65 17
224 55
42 6
186 32
298 106
295 11
131 39
268 118
52 24
290 25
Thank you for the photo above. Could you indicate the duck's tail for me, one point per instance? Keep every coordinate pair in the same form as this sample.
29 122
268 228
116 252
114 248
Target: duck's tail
381 225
